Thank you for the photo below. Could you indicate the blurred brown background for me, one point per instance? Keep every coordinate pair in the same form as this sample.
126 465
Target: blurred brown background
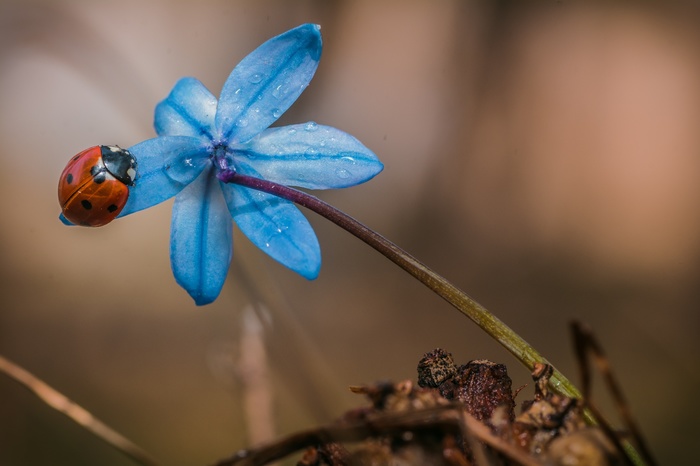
544 158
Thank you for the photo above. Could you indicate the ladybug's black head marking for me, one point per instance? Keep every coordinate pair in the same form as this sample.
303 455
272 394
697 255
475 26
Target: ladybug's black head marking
120 163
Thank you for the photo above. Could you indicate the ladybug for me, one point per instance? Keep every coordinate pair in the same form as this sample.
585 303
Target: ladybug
94 186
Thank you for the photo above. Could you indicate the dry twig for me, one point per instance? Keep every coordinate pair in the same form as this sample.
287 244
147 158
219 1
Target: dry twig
76 413
448 419
585 344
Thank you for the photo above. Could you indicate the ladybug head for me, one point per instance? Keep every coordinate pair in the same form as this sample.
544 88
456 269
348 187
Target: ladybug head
120 163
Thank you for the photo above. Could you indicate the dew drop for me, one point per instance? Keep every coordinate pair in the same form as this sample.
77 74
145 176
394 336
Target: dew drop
256 78
277 92
292 131
311 154
342 173
311 126
242 122
276 112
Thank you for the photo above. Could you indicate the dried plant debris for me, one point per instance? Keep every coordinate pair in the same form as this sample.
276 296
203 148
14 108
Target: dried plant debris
481 385
455 415
550 427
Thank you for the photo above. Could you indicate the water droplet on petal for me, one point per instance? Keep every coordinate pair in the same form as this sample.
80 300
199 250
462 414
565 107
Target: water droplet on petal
277 92
238 91
342 173
242 122
256 78
311 126
311 154
276 112
292 131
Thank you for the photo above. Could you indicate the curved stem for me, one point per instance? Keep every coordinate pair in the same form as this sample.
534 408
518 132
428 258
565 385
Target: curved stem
491 324
503 334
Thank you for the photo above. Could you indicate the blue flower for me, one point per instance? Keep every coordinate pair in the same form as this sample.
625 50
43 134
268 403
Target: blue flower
199 137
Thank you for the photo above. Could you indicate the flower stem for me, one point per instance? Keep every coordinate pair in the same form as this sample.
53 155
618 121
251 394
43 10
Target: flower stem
503 334
491 324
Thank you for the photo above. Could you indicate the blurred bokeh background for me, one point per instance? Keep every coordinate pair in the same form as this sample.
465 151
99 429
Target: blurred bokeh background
545 158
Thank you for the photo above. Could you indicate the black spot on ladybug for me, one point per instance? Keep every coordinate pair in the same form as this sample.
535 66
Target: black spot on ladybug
99 178
87 205
112 208
69 178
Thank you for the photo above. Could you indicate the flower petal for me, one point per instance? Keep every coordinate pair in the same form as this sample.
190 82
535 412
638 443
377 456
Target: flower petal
165 165
277 227
310 156
188 110
65 221
201 239
267 82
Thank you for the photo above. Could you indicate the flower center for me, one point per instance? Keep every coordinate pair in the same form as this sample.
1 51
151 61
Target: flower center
222 158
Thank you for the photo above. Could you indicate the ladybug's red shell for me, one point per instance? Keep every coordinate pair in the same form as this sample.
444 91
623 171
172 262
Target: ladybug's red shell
94 186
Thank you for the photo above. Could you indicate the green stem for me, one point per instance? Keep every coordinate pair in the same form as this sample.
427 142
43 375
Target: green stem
488 322
503 334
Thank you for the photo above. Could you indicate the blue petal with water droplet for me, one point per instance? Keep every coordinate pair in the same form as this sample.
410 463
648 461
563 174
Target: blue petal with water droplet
309 156
188 110
267 82
201 241
165 165
276 226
